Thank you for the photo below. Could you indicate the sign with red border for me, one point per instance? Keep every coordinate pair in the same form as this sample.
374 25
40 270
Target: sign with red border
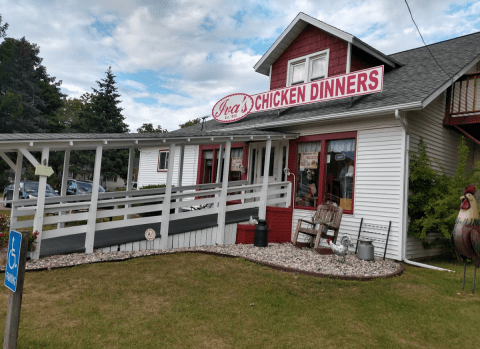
232 108
237 106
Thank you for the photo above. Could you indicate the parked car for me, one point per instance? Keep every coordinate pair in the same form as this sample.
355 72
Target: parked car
76 187
28 190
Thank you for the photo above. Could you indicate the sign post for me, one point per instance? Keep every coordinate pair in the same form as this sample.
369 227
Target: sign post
14 278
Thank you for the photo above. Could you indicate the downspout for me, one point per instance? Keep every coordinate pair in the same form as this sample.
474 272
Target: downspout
404 196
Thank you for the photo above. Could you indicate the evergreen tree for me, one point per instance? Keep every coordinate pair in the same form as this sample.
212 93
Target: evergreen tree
28 95
3 29
101 113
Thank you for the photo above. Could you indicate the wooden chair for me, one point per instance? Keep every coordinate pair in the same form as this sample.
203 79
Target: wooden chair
327 217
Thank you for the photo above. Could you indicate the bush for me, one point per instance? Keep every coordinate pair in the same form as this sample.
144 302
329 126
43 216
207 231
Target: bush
434 205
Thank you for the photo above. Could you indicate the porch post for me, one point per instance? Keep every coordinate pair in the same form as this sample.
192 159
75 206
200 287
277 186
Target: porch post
180 171
166 201
219 165
39 212
222 200
92 212
63 190
16 188
262 209
131 154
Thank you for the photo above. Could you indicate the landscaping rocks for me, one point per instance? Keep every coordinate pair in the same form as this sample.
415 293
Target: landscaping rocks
281 256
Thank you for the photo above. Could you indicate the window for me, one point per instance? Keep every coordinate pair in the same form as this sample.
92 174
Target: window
308 68
208 163
325 169
162 160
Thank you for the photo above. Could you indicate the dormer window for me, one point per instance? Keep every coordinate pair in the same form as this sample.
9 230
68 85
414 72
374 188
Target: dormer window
308 68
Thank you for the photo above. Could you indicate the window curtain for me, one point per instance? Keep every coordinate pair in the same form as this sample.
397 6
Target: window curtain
309 147
341 146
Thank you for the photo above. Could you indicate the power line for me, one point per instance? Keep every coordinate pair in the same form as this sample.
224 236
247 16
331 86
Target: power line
424 40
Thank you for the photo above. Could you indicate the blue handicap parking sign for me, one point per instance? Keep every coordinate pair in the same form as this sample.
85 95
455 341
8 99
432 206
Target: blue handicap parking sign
13 259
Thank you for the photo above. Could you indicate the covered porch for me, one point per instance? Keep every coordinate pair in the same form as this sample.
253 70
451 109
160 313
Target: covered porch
77 223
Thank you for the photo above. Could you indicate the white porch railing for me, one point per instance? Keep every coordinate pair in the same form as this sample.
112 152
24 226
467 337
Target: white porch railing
68 215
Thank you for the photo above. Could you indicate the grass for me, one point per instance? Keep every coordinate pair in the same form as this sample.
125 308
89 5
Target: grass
201 301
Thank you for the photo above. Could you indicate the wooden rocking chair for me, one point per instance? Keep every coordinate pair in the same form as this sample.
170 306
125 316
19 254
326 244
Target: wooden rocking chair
327 217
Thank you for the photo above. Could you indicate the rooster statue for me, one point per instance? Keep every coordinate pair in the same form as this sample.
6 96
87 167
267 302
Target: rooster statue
466 234
343 248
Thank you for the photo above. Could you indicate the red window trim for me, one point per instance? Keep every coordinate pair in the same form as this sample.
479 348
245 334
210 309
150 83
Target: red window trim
323 138
215 148
158 159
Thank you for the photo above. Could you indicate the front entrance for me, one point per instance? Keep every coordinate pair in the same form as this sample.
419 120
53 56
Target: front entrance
278 161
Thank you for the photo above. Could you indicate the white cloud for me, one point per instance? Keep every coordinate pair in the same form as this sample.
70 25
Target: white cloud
201 50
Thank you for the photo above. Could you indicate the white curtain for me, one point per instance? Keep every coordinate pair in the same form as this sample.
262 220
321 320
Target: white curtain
341 146
309 147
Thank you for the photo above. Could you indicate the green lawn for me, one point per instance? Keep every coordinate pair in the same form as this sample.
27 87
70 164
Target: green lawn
201 301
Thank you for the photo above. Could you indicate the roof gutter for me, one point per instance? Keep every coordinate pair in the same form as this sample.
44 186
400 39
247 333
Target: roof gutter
404 195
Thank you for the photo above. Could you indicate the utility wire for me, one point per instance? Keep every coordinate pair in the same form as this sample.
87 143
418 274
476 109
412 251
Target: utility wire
424 40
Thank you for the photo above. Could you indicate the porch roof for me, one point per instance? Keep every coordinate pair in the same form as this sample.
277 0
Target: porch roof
61 141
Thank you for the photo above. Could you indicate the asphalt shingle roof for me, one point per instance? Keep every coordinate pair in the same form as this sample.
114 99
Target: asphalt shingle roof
418 78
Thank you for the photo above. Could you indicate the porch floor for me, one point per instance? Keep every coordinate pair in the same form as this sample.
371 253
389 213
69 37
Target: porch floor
110 237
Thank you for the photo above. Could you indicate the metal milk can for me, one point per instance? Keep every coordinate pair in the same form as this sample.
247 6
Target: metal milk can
365 249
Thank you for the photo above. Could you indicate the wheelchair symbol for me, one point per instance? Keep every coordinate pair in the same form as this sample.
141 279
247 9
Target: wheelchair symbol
12 254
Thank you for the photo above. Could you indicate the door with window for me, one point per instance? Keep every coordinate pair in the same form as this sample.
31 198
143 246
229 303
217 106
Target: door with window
278 161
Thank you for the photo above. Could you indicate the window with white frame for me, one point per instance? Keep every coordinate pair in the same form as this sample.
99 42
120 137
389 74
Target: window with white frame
162 160
308 68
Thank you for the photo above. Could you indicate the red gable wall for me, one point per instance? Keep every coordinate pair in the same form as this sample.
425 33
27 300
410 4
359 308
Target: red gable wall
310 40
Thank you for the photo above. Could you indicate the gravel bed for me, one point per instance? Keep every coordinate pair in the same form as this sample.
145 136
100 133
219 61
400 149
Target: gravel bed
282 255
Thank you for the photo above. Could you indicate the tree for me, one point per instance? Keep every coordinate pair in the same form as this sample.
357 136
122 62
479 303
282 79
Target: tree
190 123
101 113
145 128
28 95
3 29
433 207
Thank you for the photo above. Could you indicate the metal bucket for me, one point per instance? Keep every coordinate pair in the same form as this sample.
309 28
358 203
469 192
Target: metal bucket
365 249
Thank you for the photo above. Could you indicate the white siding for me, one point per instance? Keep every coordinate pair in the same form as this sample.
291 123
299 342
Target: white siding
441 142
148 174
378 177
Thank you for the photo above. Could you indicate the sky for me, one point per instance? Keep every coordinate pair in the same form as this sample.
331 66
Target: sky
173 60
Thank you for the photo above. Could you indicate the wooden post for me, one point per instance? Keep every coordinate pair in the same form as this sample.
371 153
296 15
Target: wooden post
219 165
39 212
166 201
222 199
180 171
16 189
262 209
63 190
131 155
92 212
15 299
